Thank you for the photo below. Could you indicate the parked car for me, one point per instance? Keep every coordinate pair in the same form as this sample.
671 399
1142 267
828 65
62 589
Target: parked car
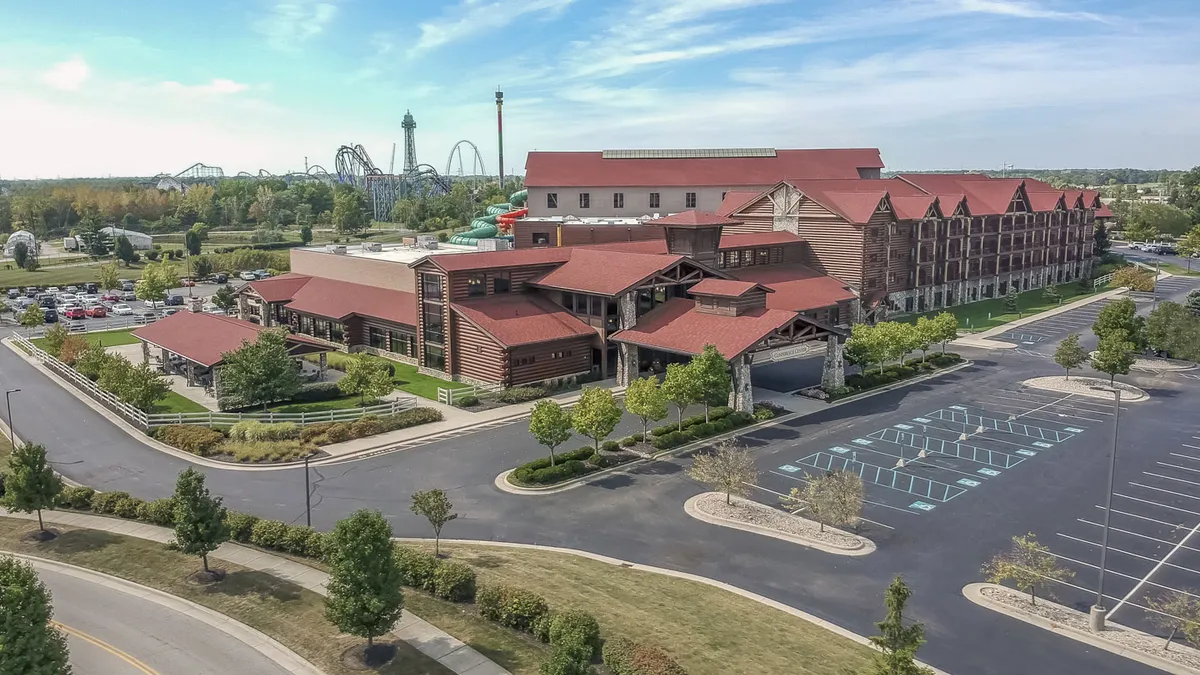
128 296
126 285
220 278
48 302
31 291
50 316
261 274
174 300
110 296
75 313
187 283
54 289
96 312
145 317
72 289
67 297
248 276
91 288
89 299
1165 250
13 295
122 309
169 312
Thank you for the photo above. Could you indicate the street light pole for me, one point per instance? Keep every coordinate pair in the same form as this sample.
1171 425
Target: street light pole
1098 613
1157 265
12 427
307 494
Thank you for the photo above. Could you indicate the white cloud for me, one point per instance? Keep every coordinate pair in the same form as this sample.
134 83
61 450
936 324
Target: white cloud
474 17
1022 9
216 87
291 22
68 75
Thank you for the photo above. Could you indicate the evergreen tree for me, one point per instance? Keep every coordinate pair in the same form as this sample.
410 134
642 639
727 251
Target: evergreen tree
1103 245
29 644
199 517
364 596
898 643
31 484
123 250
1012 299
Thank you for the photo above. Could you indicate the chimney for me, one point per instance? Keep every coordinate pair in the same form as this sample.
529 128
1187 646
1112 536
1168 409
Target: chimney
196 305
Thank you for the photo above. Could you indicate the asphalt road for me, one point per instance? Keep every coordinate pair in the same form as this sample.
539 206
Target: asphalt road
638 516
115 633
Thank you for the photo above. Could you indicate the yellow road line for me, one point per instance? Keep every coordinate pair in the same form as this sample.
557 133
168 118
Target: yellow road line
127 658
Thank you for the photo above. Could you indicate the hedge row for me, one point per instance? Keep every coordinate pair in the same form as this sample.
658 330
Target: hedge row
626 657
701 430
326 433
568 465
695 420
873 378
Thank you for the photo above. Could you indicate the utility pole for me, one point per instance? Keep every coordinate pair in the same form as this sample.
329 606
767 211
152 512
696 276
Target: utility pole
1099 612
12 426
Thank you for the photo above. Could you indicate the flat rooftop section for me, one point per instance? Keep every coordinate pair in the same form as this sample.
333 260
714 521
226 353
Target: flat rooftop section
398 253
591 222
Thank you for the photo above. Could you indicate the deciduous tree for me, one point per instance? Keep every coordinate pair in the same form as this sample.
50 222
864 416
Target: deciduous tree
1177 612
550 425
202 266
109 276
54 338
261 372
898 641
1121 315
437 509
225 298
681 388
366 376
834 498
1069 354
729 468
33 316
947 328
927 333
596 414
1171 328
1133 278
646 401
1028 565
30 484
157 280
306 234
32 645
350 210
1189 245
1114 355
1193 301
363 592
199 517
711 372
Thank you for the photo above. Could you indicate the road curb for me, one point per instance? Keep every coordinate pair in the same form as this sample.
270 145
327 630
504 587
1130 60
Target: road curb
1138 397
865 546
974 593
264 644
893 386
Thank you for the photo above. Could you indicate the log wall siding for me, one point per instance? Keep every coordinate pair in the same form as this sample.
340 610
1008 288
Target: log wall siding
757 216
577 358
708 304
458 282
834 246
477 355
875 251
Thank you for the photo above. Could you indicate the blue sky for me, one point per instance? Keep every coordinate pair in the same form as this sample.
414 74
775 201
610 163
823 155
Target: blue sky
132 87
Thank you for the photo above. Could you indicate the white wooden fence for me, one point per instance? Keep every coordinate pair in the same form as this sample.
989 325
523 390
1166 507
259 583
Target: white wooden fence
450 395
145 421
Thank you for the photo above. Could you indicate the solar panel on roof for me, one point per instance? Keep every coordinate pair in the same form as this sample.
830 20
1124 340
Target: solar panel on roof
686 153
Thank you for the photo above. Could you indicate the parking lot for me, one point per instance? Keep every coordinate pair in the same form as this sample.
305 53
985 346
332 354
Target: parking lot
141 311
1054 328
915 464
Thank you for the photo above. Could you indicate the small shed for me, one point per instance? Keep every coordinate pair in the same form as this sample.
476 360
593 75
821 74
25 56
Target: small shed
140 240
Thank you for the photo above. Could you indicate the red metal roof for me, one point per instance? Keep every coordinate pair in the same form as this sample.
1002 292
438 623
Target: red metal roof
797 287
458 262
912 207
643 246
985 195
339 299
694 219
605 272
736 200
1044 201
203 338
725 288
277 289
1104 212
676 326
519 319
590 169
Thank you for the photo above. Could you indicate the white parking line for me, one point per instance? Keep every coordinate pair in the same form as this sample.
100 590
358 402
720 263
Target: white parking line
1014 405
865 501
1134 555
1162 562
865 520
1177 494
1165 506
1136 534
1177 526
1194 447
1117 574
1159 475
1185 456
1176 466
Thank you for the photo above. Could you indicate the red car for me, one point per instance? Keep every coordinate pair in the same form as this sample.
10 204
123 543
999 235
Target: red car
75 313
188 282
96 311
110 297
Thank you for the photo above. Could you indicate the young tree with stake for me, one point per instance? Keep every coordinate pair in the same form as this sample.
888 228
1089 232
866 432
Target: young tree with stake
681 388
437 509
1069 354
199 518
596 414
1028 565
898 643
31 484
550 425
366 376
646 401
1177 612
711 371
834 498
30 644
364 596
1114 355
729 468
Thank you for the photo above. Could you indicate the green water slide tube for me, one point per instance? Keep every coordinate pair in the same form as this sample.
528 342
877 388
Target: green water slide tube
485 227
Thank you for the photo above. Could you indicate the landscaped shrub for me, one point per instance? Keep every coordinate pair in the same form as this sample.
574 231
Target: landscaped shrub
268 534
367 425
553 474
106 502
626 657
604 461
763 413
489 599
454 582
703 429
255 431
302 541
76 497
266 451
577 631
417 567
564 661
513 607
411 418
671 439
610 446
311 392
338 433
191 438
127 507
466 401
521 394
240 525
158 512
628 442
314 433
541 627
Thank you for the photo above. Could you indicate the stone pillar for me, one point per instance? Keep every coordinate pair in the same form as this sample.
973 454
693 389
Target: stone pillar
243 307
145 352
191 374
322 362
627 309
833 370
741 395
627 364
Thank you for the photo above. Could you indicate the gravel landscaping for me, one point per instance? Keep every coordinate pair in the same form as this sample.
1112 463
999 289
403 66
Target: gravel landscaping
1159 364
1115 633
1094 387
752 513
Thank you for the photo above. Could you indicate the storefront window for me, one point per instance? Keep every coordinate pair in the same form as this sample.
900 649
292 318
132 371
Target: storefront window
377 338
400 343
435 357
431 286
434 331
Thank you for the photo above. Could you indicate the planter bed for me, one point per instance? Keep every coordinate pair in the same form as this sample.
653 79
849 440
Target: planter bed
568 466
720 420
873 379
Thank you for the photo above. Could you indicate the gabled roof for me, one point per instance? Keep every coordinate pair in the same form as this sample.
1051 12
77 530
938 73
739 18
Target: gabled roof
773 238
280 288
204 338
726 288
1104 212
694 219
676 326
591 169
519 319
913 207
984 195
736 200
337 300
459 262
796 287
605 272
1044 201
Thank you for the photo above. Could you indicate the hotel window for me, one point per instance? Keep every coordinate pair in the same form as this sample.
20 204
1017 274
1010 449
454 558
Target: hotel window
764 256
748 257
654 200
400 343
541 238
776 255
618 200
501 283
552 200
731 259
476 285
376 338
689 200
431 286
585 200
434 324
336 330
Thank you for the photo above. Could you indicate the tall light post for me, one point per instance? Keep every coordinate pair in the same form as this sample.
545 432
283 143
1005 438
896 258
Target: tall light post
1157 265
1099 612
12 426
307 493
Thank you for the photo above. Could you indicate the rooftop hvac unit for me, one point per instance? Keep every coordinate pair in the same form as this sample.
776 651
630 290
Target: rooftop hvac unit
372 246
429 245
427 241
494 245
335 249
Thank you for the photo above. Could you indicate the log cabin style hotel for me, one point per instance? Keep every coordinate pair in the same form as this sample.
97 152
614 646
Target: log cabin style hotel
631 259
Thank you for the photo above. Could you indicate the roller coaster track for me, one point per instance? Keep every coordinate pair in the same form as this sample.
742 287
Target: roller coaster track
457 150
353 165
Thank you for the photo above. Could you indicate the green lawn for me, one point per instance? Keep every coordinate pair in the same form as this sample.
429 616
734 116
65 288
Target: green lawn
177 403
1181 270
340 403
985 314
406 376
108 338
63 275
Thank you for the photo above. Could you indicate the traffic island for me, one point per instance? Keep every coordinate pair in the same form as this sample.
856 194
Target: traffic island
1092 387
1122 640
751 516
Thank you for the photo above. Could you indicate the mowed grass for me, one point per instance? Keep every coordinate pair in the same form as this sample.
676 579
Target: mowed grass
108 338
65 275
175 402
289 613
339 403
405 377
708 630
985 314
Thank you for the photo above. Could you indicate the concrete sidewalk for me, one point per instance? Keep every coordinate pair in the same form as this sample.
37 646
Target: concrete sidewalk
429 639
981 341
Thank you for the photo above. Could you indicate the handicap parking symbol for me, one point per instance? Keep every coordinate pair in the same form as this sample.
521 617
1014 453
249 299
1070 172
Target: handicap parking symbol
1027 453
1041 444
789 468
922 420
839 449
861 441
905 427
988 472
1074 430
957 407
968 482
922 506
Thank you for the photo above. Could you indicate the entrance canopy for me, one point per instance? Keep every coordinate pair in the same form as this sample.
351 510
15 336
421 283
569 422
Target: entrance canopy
203 339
